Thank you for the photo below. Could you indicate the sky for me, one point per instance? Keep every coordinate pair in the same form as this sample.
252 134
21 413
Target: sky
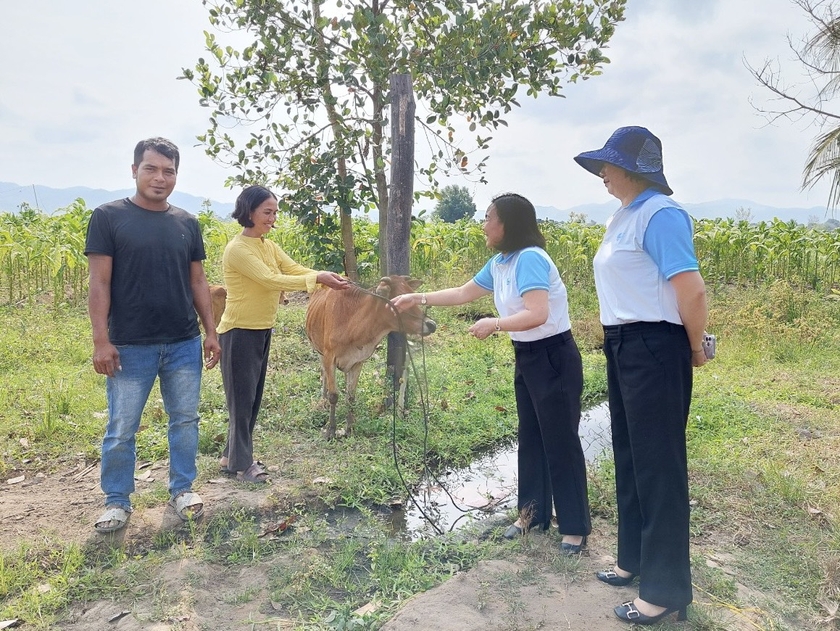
81 82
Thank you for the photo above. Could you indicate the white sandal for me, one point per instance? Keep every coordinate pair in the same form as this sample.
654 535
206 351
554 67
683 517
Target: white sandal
185 503
114 518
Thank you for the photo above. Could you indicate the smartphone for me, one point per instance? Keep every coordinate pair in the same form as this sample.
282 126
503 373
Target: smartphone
709 345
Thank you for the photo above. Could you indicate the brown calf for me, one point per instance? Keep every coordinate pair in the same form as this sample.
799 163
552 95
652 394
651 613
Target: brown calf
345 326
218 296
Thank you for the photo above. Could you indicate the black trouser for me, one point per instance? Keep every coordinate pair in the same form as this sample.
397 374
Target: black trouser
649 378
548 383
244 363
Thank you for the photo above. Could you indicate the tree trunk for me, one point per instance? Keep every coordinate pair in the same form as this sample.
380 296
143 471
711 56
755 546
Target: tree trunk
381 182
401 194
400 199
351 267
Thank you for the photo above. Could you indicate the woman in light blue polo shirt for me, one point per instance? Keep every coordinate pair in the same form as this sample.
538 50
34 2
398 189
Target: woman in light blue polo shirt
653 310
548 381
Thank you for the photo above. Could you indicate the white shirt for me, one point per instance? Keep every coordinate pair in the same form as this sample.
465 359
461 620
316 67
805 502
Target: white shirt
629 284
509 280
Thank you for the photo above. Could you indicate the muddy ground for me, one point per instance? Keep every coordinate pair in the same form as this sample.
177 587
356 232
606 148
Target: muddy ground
521 592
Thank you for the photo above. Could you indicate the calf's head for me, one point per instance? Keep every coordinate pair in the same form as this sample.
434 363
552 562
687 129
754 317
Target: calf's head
412 321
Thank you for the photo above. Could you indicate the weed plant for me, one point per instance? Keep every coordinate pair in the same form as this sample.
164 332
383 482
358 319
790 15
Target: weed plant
52 404
762 438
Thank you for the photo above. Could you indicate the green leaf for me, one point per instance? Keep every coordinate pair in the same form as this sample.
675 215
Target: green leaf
311 80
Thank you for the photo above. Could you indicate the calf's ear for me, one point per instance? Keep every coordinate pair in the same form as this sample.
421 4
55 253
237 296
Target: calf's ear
414 283
384 288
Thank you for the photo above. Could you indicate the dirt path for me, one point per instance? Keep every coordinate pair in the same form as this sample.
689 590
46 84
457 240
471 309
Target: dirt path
64 506
528 591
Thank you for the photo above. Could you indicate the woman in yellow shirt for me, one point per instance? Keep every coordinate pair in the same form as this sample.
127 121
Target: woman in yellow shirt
256 271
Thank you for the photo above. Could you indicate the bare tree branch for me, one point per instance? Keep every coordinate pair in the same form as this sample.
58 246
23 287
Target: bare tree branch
819 55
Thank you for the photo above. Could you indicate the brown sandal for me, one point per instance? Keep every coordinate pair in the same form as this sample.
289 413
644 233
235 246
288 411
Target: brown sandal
253 474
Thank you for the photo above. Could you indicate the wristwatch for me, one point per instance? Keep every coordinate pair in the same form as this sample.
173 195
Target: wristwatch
423 299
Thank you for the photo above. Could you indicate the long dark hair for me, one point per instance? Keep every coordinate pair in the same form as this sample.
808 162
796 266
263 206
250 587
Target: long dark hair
248 201
519 219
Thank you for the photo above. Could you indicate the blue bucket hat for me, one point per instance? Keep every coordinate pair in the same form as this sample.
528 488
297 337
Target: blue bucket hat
633 149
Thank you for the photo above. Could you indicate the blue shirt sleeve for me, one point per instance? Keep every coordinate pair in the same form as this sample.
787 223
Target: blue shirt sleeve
532 272
484 278
668 241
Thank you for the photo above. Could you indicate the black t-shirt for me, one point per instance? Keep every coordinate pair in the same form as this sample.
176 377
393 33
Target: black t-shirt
152 251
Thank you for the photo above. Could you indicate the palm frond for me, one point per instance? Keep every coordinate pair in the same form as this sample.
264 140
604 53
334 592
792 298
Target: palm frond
824 46
821 53
824 160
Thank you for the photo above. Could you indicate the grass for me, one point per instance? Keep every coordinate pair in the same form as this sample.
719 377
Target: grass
764 433
50 397
763 437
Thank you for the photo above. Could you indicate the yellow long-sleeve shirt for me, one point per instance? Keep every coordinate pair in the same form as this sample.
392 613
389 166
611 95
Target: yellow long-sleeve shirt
255 272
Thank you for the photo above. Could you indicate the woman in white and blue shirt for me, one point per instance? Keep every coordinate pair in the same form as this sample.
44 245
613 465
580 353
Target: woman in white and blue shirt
531 301
653 310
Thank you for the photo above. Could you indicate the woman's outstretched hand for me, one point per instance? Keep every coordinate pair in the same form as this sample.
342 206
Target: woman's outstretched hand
405 302
333 280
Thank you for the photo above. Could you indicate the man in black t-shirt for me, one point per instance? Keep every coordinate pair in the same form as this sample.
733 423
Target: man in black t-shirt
146 284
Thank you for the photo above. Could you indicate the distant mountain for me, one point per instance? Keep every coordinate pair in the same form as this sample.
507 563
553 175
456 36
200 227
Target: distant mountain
50 199
705 210
722 208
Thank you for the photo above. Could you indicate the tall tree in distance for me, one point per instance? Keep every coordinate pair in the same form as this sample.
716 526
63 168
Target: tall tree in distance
819 56
455 203
302 105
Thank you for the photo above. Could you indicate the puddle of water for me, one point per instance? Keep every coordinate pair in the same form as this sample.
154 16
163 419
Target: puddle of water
486 487
594 431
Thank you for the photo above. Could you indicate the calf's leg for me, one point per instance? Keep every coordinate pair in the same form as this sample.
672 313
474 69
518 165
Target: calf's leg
351 382
331 392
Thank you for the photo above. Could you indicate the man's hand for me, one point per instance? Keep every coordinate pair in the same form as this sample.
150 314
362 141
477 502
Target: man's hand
106 359
212 351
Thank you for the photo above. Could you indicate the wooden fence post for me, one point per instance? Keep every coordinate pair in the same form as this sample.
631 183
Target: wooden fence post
400 199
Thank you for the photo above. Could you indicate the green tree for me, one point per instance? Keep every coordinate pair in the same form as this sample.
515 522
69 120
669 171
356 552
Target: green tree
819 56
303 106
455 203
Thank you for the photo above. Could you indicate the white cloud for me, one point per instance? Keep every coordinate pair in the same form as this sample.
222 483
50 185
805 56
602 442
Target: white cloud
81 82
679 71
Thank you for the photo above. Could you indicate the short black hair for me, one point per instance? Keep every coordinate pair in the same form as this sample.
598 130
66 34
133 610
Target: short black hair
248 201
519 219
641 179
159 145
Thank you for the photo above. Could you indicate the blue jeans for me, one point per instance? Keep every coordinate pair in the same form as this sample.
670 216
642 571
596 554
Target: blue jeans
179 368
